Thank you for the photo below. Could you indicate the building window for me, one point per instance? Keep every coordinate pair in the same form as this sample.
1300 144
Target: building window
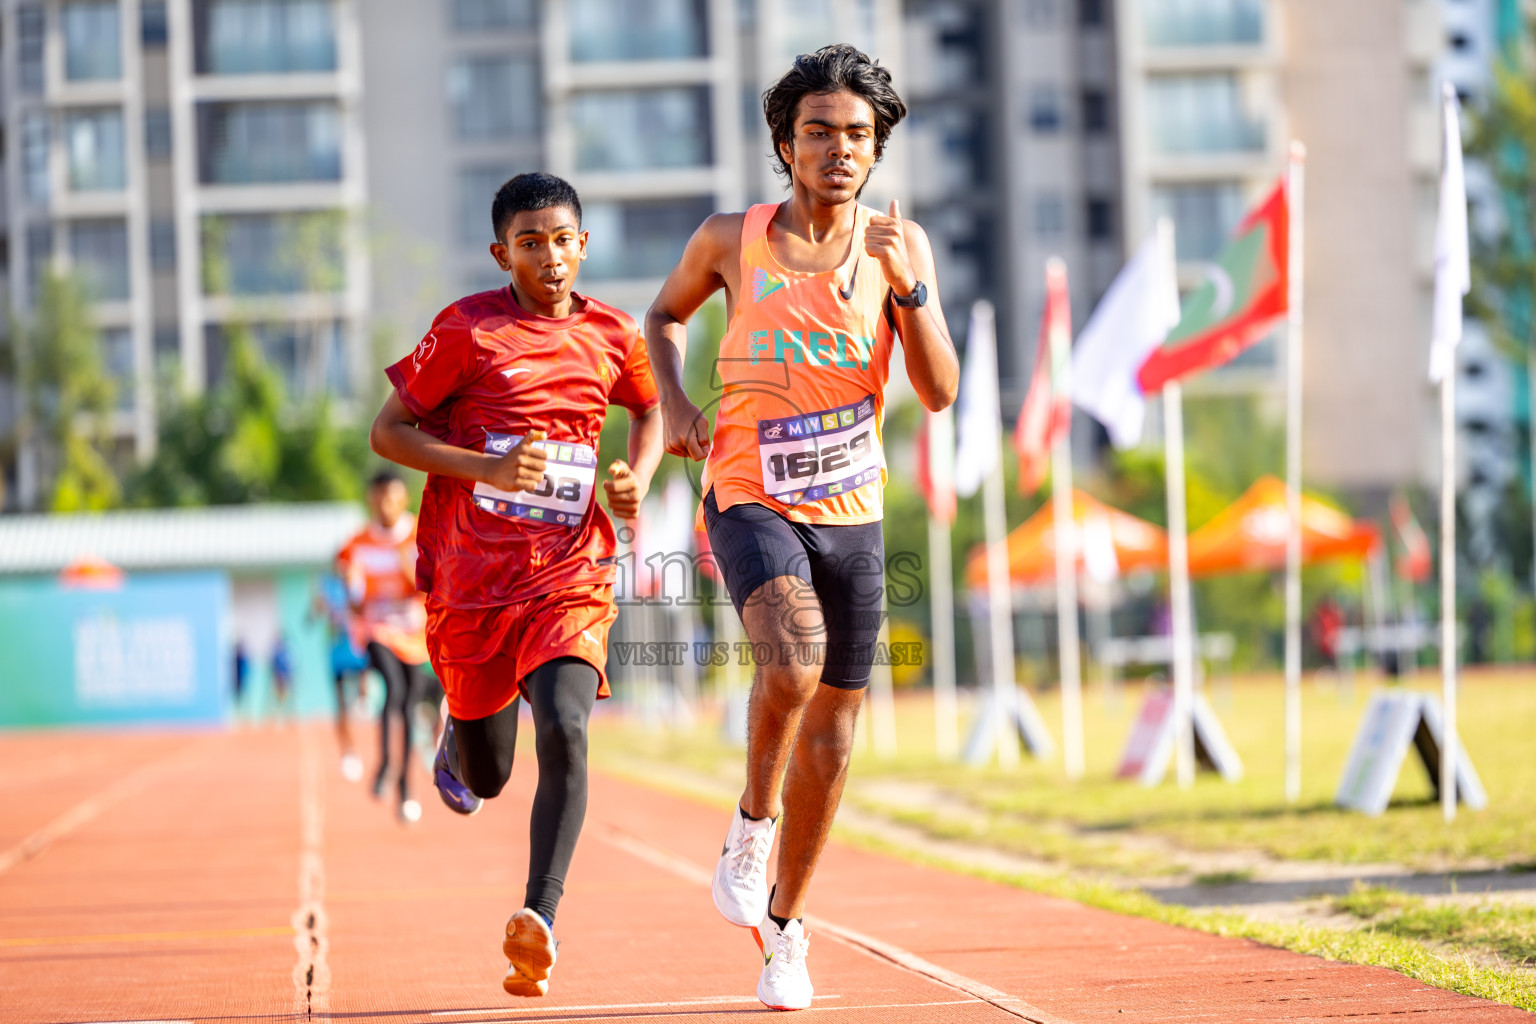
1202 22
1200 113
117 357
474 15
628 30
34 154
162 244
495 97
1045 109
157 133
641 129
94 140
269 142
272 254
92 49
98 251
1090 13
477 190
1042 14
1203 215
1095 111
311 357
242 37
1100 214
31 34
641 239
1050 216
154 29
39 255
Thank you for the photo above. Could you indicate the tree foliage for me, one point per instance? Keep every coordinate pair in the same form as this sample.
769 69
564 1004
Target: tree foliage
68 399
1504 269
243 441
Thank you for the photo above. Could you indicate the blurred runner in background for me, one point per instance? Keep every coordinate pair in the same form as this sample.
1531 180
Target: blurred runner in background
389 620
347 661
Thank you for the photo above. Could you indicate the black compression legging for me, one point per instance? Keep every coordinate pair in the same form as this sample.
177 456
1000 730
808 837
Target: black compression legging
560 695
402 690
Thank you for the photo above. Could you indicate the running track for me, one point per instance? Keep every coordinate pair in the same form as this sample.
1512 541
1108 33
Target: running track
236 877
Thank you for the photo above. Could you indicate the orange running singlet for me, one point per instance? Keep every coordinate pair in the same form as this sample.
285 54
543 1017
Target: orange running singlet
803 367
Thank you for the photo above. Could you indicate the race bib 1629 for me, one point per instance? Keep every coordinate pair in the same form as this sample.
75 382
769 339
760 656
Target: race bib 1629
821 454
562 497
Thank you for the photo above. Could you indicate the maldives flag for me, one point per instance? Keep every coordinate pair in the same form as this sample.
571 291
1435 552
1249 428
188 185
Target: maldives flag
1414 563
1245 290
936 463
1048 403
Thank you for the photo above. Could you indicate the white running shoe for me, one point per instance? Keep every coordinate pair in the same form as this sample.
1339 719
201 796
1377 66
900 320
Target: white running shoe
351 767
784 984
741 875
531 951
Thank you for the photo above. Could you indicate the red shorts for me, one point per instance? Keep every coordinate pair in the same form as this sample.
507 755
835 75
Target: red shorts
482 655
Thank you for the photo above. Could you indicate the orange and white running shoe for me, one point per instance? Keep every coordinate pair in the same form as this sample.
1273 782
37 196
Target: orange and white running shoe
531 950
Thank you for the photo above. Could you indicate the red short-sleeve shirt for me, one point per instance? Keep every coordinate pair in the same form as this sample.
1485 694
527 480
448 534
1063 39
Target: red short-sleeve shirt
487 366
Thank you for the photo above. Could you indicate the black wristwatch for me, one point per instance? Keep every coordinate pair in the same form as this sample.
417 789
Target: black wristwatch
919 297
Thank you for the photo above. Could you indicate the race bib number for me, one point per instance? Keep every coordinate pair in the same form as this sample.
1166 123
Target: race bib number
562 497
820 454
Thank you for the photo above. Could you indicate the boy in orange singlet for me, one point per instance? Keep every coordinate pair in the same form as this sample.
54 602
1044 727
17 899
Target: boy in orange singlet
501 404
818 290
388 620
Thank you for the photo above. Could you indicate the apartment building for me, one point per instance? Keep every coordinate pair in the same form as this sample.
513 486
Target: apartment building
1214 92
1015 157
197 165
652 110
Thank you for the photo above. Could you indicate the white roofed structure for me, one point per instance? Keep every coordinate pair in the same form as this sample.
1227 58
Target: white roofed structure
231 537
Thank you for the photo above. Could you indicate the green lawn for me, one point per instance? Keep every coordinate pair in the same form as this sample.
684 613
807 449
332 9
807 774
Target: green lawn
1036 809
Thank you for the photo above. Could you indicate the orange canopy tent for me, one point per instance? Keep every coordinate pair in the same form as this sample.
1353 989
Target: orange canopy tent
1250 533
1138 544
91 572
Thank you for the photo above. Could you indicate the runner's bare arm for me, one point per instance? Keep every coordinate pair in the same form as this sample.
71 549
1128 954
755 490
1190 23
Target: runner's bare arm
631 481
906 258
703 270
396 437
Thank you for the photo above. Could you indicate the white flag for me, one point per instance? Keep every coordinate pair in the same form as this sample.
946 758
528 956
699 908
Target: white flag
1131 321
979 420
1453 264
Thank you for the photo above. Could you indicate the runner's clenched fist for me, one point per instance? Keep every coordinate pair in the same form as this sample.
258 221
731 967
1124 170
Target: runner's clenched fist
522 468
885 239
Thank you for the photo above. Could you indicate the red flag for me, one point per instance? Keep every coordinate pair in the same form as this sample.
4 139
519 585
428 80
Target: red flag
1245 290
1415 561
936 463
1047 406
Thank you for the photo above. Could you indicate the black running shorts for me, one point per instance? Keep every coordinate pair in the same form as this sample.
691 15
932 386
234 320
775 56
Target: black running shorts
844 565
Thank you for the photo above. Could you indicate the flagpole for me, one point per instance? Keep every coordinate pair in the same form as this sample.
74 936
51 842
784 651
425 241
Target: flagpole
1293 355
946 723
1448 750
1065 528
1178 585
1000 619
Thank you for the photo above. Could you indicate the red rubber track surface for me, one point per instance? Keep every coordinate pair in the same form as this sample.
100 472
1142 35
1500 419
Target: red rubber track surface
237 877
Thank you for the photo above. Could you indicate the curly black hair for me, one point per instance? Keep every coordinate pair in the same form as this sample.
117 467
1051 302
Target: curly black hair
832 68
532 191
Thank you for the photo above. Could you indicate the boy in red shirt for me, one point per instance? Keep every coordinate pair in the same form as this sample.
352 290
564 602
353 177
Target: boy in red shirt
501 404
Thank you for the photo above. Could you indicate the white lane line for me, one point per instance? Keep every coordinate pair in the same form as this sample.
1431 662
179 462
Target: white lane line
86 810
136 1022
690 1013
696 1001
880 950
311 973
